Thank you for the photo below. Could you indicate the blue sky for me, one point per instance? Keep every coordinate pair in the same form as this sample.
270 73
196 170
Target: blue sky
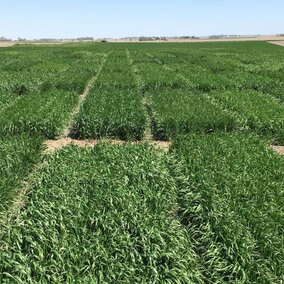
109 18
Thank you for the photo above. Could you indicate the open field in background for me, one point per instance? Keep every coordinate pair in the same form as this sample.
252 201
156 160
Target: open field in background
116 208
261 38
234 39
281 42
6 44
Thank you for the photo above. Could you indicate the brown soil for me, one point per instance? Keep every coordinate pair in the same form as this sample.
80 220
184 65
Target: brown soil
164 145
259 38
54 145
6 44
278 149
281 42
45 43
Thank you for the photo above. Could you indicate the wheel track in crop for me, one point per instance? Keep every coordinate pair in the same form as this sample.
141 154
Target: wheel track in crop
240 119
166 67
148 136
67 132
19 201
66 138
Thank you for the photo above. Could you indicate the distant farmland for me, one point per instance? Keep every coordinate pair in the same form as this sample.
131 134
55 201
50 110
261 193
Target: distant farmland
142 163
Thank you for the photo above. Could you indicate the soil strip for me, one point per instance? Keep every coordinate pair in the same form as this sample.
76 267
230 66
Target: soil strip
19 201
280 43
278 149
6 44
54 145
68 129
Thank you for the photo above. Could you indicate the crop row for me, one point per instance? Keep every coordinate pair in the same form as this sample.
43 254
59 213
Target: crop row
254 110
112 221
226 68
18 155
114 107
111 113
211 212
29 69
154 76
246 100
39 86
195 69
178 111
117 72
232 205
42 114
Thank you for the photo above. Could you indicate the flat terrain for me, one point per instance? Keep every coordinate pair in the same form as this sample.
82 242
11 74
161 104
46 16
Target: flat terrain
281 43
205 39
260 38
6 44
142 163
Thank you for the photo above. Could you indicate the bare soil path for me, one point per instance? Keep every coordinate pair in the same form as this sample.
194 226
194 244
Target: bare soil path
278 149
68 129
51 145
281 42
6 44
54 145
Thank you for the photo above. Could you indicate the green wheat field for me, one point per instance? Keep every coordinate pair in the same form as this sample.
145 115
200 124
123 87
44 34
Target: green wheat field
207 207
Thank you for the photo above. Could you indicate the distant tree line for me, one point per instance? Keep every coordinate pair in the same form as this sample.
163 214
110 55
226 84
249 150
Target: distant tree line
155 38
188 37
2 38
223 36
143 38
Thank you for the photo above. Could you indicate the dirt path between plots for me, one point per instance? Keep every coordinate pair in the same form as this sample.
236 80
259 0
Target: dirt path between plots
68 129
54 145
66 138
278 149
19 200
82 98
280 43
